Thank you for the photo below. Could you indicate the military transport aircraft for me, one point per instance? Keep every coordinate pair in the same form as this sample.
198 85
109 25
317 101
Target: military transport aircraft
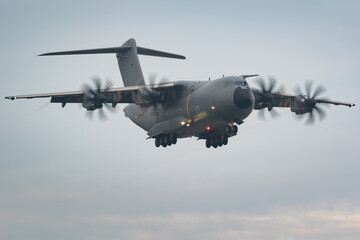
209 110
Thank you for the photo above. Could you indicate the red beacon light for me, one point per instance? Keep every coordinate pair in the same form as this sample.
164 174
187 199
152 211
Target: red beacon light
208 128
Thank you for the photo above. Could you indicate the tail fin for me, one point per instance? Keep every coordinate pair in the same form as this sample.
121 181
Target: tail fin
128 61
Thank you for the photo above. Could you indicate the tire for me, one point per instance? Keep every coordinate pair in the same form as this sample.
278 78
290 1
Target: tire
219 141
207 143
215 142
165 140
173 139
235 129
225 142
228 129
157 142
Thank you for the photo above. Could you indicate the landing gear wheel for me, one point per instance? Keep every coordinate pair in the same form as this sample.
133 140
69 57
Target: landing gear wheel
215 142
228 129
220 143
225 140
235 129
157 142
165 141
211 141
173 139
207 143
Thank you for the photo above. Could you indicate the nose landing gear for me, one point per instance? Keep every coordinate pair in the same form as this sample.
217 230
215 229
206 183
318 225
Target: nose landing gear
231 129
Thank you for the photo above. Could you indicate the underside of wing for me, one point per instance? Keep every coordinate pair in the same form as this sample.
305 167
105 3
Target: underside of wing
94 98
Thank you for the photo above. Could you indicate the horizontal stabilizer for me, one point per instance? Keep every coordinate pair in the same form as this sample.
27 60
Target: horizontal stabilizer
90 51
123 49
151 52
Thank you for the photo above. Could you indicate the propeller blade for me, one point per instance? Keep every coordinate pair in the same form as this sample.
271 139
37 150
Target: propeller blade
261 83
320 112
298 117
164 80
261 114
311 119
86 88
282 89
272 81
97 83
319 90
297 90
109 83
152 78
274 114
102 115
109 107
308 86
89 114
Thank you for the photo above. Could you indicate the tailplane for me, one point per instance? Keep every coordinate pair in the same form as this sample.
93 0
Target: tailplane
128 61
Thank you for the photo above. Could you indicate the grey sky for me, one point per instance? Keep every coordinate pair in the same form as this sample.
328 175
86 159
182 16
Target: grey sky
63 176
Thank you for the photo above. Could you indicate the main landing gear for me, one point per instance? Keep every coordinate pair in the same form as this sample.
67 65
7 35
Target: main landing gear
220 140
216 141
165 140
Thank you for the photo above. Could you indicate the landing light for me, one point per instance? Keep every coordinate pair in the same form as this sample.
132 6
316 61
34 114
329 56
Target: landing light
212 107
183 123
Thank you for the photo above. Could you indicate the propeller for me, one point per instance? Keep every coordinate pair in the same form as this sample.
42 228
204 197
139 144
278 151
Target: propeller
310 102
94 98
267 97
153 81
152 96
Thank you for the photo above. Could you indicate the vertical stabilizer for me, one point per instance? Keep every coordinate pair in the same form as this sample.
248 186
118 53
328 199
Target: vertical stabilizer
129 65
127 56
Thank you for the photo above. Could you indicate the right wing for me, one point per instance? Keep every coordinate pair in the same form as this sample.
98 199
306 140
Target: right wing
132 94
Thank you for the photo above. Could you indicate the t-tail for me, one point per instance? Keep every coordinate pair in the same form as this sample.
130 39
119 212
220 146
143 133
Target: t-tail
128 61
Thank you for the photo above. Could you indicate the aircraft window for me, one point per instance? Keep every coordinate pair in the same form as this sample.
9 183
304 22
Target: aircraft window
237 83
240 83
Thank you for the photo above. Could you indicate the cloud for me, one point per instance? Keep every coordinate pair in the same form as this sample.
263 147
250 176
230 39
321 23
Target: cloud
283 223
293 222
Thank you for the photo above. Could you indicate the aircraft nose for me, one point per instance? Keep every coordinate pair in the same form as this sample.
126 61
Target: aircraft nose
243 97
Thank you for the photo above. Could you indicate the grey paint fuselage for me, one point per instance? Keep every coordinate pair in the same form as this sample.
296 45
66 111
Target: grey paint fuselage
197 106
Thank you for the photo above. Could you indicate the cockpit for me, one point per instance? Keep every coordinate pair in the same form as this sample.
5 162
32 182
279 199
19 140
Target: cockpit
242 84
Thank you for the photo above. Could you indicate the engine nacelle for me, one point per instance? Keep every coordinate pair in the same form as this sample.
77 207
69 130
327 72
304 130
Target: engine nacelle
92 101
263 100
302 105
92 105
146 97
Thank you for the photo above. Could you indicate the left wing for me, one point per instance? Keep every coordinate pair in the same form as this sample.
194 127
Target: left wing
299 104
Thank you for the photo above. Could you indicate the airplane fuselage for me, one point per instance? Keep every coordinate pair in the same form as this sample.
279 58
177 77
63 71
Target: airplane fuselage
197 108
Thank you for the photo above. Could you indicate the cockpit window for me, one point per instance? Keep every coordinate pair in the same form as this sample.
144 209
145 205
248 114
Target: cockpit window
237 83
240 83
